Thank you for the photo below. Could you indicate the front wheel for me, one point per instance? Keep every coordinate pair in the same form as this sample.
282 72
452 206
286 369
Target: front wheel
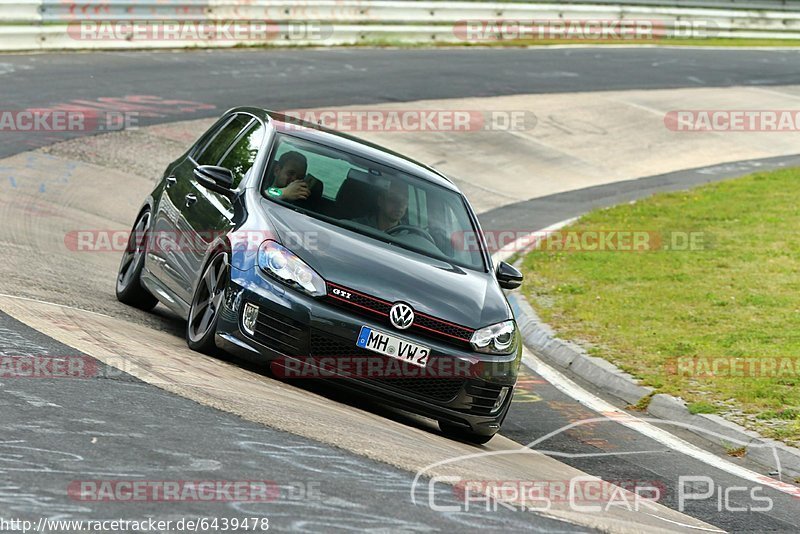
206 305
462 434
129 284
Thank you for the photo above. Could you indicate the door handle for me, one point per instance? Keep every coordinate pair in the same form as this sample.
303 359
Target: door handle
171 180
191 198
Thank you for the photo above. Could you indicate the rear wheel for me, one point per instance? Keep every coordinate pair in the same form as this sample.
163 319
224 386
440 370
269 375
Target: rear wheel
129 285
206 305
462 434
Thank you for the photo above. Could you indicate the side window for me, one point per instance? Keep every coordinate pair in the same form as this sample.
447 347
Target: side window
213 152
241 156
331 172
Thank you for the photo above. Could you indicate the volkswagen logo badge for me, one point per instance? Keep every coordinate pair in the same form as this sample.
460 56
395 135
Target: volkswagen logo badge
401 315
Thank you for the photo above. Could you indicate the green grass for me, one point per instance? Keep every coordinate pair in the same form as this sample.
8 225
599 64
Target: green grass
661 314
701 407
732 42
737 452
370 41
524 43
393 43
788 414
643 403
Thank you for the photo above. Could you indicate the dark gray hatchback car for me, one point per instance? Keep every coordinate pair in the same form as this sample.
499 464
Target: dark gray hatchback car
328 256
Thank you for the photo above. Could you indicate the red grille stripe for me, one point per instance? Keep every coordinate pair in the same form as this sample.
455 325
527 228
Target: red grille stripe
439 332
386 302
432 318
359 305
359 293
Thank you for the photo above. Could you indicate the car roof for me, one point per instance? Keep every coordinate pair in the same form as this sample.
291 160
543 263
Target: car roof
347 143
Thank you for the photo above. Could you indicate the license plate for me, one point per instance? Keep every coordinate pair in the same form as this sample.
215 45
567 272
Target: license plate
393 346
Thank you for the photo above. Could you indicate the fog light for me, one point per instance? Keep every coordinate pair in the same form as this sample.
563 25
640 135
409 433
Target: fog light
249 316
501 398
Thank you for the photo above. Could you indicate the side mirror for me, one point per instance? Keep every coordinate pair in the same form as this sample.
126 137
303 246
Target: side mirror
218 179
508 276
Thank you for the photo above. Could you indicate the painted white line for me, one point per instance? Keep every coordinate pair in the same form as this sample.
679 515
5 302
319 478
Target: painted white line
574 391
642 426
677 524
6 295
527 242
32 399
612 413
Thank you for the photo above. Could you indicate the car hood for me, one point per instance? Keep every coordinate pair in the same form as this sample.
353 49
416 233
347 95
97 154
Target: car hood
341 256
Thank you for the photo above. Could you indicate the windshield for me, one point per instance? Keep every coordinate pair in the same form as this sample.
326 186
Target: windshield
374 200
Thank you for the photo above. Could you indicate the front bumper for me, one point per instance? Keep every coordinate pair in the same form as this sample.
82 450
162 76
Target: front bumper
293 327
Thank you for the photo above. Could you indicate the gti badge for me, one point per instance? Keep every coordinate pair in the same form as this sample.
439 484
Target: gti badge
401 315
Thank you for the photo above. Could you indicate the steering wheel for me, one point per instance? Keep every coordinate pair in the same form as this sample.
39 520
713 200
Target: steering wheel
412 230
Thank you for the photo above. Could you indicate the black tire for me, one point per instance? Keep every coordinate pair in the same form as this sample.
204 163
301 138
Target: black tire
129 284
462 434
201 327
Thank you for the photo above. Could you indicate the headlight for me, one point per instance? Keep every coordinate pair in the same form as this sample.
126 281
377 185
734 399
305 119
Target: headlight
496 339
279 262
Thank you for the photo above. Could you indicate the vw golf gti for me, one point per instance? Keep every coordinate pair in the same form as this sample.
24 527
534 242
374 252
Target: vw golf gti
285 242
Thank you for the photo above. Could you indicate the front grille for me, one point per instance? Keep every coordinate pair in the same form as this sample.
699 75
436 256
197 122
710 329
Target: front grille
281 333
483 397
438 389
325 345
373 307
460 333
361 300
350 298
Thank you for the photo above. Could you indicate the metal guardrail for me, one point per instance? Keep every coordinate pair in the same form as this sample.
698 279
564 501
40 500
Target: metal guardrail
20 11
769 5
93 24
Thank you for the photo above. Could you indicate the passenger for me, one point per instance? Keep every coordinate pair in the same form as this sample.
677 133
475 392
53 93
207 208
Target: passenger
291 182
392 204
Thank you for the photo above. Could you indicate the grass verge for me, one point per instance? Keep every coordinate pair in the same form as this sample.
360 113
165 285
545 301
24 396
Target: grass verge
526 43
714 42
708 310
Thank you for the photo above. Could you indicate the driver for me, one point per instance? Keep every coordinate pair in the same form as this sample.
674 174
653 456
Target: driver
392 204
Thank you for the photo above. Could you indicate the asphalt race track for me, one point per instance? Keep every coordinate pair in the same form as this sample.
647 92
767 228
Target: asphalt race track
155 434
313 78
